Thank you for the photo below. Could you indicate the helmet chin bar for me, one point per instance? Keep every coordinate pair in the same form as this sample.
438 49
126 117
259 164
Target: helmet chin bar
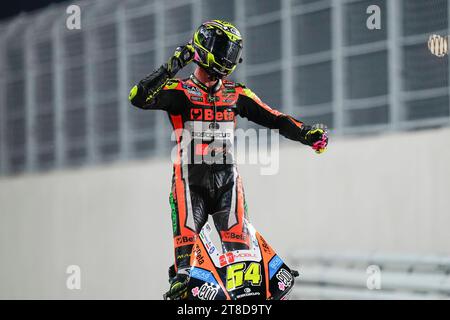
212 74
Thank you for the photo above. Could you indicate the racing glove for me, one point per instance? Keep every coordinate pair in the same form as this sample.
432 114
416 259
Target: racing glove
178 287
145 91
182 57
317 137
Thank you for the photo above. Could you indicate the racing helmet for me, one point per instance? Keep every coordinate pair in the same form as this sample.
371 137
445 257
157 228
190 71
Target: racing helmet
218 47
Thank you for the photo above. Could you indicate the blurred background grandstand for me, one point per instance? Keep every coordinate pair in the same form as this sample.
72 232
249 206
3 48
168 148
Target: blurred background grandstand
63 105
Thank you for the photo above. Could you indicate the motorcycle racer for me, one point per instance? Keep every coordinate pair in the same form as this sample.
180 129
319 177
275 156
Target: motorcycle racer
202 110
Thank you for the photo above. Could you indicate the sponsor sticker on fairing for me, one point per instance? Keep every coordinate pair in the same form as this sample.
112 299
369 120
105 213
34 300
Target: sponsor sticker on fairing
248 293
198 255
285 279
203 275
238 256
274 265
205 292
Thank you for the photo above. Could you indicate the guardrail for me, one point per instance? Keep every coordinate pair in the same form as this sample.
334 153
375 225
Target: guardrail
337 276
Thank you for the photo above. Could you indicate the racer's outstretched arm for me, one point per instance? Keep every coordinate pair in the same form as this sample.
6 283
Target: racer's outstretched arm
150 92
251 107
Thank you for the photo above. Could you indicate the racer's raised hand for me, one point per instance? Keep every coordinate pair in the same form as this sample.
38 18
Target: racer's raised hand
317 138
182 57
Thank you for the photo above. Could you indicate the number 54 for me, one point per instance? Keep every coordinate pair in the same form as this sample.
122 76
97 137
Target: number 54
237 274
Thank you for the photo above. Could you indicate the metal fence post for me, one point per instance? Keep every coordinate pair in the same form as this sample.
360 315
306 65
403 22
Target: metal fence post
3 148
239 17
30 103
448 34
89 43
58 91
338 64
161 119
124 141
287 63
395 65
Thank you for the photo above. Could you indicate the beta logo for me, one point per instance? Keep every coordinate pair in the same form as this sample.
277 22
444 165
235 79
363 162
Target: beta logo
184 240
231 236
205 292
208 115
196 114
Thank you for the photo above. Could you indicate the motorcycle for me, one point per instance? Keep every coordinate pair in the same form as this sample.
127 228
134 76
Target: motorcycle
257 273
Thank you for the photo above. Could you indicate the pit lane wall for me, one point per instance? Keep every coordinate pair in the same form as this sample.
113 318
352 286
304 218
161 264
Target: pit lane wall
388 194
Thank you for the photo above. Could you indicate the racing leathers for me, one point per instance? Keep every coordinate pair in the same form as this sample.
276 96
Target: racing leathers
205 179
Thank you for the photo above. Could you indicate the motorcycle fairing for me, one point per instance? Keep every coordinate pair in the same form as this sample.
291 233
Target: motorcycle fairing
256 273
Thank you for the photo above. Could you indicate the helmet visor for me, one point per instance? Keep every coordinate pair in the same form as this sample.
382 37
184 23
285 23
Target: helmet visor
226 52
